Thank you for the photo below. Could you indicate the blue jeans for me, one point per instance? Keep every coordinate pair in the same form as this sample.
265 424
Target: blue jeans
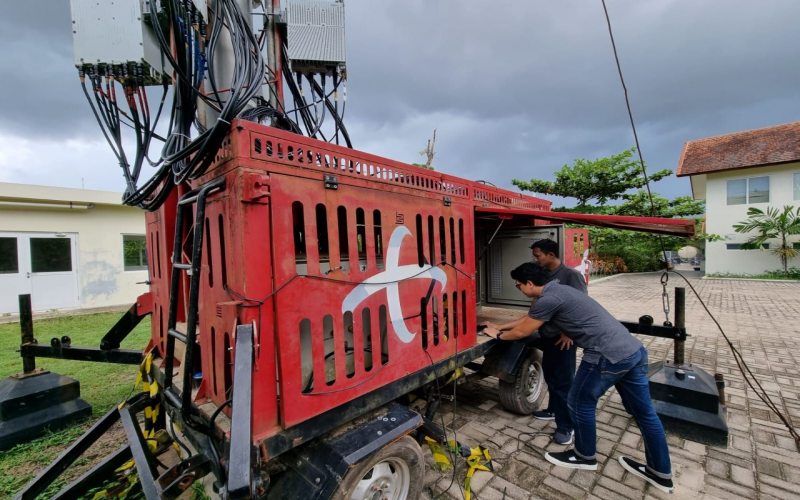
629 376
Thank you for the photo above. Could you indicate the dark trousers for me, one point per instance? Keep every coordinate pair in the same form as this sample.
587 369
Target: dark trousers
558 367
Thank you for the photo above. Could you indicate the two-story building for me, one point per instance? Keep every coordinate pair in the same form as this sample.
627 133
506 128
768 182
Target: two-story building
733 172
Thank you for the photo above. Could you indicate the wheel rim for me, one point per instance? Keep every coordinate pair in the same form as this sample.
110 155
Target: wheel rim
533 382
389 479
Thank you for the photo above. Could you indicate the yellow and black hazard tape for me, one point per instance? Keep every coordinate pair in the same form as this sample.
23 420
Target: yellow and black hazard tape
477 458
439 456
155 438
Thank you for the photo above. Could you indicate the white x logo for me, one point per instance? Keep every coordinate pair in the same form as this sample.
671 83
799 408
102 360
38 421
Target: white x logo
389 279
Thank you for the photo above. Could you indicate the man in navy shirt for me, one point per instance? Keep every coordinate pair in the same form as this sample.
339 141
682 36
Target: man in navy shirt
611 357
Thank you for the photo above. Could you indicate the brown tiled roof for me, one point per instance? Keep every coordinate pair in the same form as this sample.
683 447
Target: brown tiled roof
752 148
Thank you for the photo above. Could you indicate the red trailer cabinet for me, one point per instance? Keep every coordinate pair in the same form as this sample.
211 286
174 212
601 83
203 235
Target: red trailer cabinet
299 289
355 271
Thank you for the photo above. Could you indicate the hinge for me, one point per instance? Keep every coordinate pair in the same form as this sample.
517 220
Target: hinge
331 182
255 187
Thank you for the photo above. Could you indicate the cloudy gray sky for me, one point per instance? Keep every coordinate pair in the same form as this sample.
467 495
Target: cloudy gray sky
516 89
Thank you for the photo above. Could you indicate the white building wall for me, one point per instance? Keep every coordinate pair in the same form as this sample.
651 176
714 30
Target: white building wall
102 280
720 218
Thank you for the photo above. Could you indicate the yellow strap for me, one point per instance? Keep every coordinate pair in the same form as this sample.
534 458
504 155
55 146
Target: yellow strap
476 456
439 456
457 373
127 465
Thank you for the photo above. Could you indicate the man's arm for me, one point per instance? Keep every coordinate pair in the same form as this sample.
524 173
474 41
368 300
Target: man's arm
506 326
525 327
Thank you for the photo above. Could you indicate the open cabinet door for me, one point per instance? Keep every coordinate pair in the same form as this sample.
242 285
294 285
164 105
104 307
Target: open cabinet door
575 251
510 248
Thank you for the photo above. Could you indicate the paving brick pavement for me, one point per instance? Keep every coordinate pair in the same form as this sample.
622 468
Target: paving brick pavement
761 460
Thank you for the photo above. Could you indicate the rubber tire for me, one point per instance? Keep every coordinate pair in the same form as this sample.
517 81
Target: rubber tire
514 395
405 449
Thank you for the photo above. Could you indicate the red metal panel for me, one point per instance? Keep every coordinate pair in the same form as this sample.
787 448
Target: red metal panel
576 246
160 237
397 289
251 141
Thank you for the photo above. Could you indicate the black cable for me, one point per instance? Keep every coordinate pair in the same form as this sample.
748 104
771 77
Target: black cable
331 108
747 374
633 128
217 412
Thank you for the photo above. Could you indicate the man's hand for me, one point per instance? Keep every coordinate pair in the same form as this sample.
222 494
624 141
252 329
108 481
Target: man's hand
564 342
489 324
491 331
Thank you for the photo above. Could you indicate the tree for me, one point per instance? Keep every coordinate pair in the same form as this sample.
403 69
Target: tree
772 223
602 179
639 203
619 178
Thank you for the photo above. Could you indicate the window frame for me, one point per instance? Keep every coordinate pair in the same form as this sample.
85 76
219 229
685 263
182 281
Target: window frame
747 190
738 246
142 256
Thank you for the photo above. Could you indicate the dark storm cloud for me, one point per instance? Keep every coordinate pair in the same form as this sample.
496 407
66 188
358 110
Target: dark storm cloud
554 58
516 89
40 91
692 69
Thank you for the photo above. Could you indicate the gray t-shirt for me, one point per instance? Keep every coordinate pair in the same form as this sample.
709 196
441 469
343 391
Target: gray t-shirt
569 277
585 321
565 276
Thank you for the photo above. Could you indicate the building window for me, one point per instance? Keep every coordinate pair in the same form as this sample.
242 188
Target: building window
9 261
741 246
797 186
51 255
134 252
750 190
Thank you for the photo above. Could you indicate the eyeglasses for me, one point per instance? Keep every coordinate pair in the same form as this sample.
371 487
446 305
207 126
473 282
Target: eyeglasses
517 285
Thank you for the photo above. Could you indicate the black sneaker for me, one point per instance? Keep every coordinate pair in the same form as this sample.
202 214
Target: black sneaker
570 460
544 415
640 470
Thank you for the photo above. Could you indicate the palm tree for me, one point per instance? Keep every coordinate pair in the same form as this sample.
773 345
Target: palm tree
772 223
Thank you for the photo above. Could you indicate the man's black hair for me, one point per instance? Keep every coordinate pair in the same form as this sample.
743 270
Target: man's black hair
546 246
532 272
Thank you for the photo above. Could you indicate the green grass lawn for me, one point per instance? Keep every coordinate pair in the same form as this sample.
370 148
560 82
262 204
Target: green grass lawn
102 385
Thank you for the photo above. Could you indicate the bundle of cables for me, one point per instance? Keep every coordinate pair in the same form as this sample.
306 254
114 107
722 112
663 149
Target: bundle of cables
320 103
200 88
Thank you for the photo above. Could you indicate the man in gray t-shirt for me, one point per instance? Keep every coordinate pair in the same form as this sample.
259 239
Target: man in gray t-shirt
585 322
611 357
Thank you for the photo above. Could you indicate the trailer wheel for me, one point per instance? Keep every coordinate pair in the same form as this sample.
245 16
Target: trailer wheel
528 390
396 472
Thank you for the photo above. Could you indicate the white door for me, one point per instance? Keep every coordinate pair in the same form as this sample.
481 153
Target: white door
14 272
45 268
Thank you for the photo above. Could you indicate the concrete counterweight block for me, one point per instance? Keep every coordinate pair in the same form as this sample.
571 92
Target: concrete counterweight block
688 402
32 403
